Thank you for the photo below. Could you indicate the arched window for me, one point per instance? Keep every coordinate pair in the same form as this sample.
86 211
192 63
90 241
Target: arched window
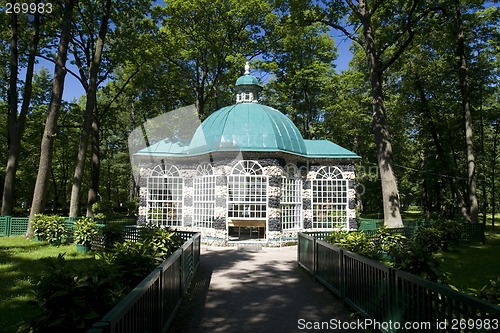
204 196
291 198
247 191
329 199
164 196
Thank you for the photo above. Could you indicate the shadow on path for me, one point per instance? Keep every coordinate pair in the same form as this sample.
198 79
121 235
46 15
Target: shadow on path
256 290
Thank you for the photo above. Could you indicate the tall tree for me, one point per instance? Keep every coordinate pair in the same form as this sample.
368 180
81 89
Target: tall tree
88 76
46 147
16 120
385 30
466 106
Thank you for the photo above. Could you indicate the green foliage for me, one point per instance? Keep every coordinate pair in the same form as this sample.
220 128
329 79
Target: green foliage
418 257
451 231
103 209
489 292
134 260
86 230
389 241
113 233
354 241
50 228
162 240
417 260
71 299
429 238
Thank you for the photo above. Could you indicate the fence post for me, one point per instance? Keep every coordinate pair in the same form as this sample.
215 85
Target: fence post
342 273
315 258
392 290
8 226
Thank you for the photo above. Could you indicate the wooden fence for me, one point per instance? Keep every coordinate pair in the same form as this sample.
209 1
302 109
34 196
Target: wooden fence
388 295
152 305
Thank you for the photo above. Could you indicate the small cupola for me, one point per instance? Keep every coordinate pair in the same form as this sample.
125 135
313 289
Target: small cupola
247 87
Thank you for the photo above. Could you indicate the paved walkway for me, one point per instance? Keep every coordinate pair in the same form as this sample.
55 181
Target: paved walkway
258 290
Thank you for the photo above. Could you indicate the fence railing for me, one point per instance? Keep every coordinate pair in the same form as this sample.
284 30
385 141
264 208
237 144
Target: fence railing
471 232
13 226
16 226
387 295
152 305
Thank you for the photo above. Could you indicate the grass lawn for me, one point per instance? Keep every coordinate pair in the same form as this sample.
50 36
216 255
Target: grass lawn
472 265
20 261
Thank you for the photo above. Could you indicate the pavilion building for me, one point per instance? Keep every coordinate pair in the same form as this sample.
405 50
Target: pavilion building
247 175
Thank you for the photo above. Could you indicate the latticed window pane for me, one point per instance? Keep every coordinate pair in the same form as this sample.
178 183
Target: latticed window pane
164 196
204 197
329 199
247 191
291 199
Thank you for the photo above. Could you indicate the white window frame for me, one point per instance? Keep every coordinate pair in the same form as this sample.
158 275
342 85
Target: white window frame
164 202
330 199
204 196
291 198
247 192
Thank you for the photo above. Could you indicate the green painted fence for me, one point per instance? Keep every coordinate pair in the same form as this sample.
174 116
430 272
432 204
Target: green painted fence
152 305
15 226
384 294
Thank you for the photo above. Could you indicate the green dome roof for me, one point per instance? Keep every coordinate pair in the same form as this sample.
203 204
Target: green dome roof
247 80
247 127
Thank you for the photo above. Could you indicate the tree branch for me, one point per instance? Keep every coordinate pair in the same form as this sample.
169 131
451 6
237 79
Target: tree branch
67 69
120 91
406 43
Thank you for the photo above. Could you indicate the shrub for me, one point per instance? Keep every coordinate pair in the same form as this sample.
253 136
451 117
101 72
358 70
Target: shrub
50 228
489 292
390 241
354 241
429 238
71 299
418 260
134 260
85 230
103 209
113 233
162 240
451 231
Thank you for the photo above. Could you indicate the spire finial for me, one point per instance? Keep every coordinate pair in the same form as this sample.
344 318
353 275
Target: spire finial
247 68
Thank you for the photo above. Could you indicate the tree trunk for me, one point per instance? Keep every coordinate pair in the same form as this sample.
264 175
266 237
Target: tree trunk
493 175
46 147
89 110
390 193
466 106
94 167
16 124
12 132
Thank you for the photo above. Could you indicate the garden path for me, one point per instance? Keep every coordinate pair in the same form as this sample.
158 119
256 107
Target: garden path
258 290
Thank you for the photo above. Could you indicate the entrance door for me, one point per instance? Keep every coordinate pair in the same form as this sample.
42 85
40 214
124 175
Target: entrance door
244 229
